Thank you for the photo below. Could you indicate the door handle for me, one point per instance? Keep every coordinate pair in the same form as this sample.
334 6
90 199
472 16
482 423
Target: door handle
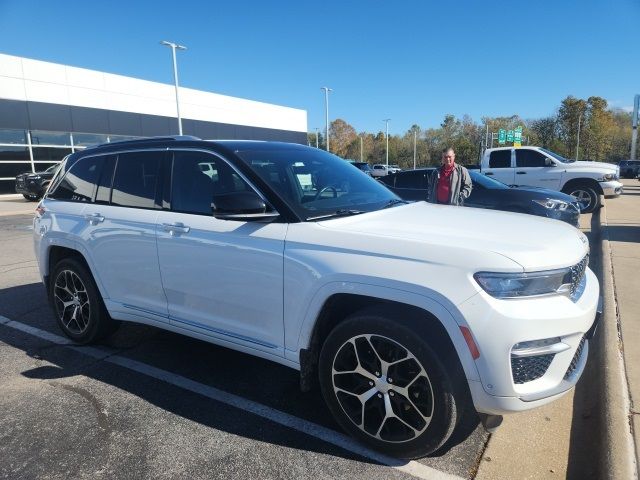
521 173
489 173
174 228
94 218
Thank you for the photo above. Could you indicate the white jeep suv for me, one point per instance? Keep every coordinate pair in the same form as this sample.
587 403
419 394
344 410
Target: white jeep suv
409 313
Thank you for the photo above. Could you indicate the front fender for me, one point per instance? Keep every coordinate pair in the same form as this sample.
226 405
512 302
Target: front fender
433 302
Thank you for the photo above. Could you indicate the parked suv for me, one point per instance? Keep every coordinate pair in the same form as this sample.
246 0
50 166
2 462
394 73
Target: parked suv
629 168
380 170
410 314
33 185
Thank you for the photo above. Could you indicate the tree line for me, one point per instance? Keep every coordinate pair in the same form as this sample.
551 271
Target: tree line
605 136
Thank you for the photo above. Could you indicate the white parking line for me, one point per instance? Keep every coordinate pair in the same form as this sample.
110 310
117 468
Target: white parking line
413 468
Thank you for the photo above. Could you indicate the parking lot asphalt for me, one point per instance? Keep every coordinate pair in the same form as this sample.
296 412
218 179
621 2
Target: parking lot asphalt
153 404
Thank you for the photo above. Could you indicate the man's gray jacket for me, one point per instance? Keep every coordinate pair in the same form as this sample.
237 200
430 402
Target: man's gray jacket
460 186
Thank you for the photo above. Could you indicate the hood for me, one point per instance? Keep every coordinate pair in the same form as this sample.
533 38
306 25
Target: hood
540 192
590 165
535 243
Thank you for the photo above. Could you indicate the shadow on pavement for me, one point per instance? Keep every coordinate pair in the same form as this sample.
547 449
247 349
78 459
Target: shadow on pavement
624 233
239 374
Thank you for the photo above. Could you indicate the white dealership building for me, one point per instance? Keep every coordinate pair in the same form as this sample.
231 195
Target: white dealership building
48 110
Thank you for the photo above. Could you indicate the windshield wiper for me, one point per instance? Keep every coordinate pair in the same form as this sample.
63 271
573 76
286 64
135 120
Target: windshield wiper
338 213
393 202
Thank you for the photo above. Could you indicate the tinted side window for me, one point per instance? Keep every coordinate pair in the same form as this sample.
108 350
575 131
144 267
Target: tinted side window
135 181
198 178
415 179
500 159
529 158
78 185
103 195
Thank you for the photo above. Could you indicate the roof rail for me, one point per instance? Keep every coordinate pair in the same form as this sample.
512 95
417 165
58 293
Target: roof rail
147 139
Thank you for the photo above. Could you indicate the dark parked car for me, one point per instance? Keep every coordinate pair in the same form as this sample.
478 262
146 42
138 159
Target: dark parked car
629 168
33 185
489 193
364 166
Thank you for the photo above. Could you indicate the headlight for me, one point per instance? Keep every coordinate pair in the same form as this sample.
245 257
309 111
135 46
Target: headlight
35 177
552 204
609 176
516 285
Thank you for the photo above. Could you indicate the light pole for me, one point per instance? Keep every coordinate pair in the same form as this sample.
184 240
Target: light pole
386 121
415 140
634 126
326 112
175 46
317 134
361 155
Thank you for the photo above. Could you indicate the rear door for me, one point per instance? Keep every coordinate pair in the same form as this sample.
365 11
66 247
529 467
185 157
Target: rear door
533 170
222 278
411 185
500 166
120 232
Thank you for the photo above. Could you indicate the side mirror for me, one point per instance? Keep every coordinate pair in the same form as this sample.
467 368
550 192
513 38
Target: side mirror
243 206
549 163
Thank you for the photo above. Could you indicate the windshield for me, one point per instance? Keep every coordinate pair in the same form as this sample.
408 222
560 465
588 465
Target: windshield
558 157
316 183
486 182
52 168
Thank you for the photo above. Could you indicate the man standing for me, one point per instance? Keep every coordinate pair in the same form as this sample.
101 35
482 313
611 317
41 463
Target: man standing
451 183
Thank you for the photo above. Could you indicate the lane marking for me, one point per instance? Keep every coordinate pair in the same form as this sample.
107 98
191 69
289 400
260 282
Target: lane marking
345 442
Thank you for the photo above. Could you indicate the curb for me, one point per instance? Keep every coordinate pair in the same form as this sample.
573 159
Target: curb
617 452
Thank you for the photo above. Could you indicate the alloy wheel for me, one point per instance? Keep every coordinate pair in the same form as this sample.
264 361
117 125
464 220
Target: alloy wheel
382 388
72 302
584 198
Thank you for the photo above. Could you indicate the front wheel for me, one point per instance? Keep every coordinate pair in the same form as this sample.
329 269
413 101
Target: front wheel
386 386
588 198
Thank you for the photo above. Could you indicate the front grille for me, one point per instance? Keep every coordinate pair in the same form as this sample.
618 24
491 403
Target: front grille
575 359
577 274
526 369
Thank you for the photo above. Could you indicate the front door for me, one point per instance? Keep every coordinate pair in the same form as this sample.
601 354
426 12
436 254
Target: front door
533 170
500 166
222 278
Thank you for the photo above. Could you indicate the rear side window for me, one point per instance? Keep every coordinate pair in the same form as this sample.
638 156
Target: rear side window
529 158
500 159
79 184
136 179
416 179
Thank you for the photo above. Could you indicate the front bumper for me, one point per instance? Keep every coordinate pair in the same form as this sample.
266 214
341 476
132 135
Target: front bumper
498 325
612 189
29 187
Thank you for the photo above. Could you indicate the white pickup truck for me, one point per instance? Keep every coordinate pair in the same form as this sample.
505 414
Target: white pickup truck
538 167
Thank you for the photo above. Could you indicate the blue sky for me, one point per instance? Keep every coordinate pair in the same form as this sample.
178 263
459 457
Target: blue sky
411 61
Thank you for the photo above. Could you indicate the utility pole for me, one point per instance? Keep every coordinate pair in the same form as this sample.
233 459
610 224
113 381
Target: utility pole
326 111
578 140
634 124
415 139
386 121
361 155
317 134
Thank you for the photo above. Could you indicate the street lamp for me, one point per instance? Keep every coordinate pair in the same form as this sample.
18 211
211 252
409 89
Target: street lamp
326 111
578 140
361 154
175 46
386 121
317 134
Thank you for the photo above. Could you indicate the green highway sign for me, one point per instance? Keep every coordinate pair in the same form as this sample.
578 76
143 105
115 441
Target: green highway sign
502 136
517 134
509 136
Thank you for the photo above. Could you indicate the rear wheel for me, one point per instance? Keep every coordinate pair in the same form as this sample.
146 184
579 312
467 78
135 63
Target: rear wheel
588 198
388 387
78 306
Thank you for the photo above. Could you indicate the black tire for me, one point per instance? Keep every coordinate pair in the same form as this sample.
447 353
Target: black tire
77 304
31 198
435 389
587 196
